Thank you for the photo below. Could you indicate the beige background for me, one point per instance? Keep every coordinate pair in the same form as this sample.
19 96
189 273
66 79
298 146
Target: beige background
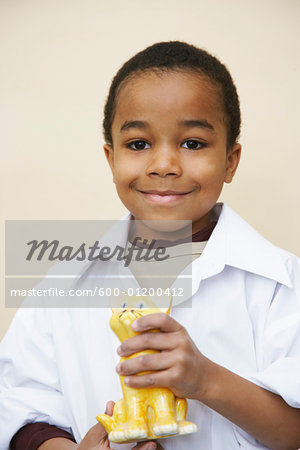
57 61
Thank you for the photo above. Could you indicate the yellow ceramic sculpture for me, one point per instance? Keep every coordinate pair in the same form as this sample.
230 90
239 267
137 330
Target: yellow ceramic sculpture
144 413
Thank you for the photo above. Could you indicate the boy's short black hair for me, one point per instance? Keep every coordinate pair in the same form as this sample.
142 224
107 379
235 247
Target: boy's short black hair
178 55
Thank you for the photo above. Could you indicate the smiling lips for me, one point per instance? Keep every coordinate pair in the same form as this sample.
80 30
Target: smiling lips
164 197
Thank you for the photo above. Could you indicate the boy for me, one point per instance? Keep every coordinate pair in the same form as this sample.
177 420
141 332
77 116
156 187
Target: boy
171 128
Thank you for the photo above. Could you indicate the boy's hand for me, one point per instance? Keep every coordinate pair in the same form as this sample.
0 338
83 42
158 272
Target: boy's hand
182 368
179 366
97 438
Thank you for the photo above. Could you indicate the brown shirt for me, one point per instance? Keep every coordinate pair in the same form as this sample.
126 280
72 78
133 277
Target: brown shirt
31 436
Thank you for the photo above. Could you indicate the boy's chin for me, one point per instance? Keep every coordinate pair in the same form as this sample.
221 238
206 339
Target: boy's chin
164 229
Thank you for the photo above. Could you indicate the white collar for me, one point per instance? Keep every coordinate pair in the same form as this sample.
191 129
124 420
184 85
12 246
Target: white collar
235 243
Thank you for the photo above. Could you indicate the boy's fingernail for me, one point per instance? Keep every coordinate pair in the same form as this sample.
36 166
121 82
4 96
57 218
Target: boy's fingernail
118 368
119 350
135 325
151 446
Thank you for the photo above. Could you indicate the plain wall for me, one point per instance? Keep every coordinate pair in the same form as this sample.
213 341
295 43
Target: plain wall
57 60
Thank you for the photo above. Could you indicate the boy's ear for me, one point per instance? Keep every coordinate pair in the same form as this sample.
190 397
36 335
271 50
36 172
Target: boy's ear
233 159
109 153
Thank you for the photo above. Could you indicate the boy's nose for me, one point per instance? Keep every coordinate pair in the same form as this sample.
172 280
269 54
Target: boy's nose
163 162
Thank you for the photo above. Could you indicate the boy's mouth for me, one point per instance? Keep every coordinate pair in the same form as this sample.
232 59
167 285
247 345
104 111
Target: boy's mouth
164 196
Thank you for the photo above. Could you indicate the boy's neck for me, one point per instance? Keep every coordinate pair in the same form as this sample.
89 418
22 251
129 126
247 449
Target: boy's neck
167 230
200 236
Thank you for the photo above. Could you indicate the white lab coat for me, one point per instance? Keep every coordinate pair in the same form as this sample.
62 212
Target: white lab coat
57 365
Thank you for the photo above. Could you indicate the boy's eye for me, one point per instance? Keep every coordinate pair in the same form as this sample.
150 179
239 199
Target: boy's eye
192 144
138 145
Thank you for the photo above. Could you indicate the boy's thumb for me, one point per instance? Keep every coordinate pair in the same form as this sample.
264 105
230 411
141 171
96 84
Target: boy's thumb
96 436
109 408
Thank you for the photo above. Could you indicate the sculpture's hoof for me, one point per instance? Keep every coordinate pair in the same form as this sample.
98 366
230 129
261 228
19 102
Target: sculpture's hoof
136 433
128 435
187 427
116 436
165 429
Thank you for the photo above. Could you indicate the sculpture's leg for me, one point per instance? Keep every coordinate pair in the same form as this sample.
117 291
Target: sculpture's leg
115 425
130 417
119 413
136 427
163 404
118 417
181 408
185 427
106 421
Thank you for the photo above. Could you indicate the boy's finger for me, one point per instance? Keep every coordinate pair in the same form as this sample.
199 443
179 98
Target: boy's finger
146 446
149 341
159 321
154 379
155 361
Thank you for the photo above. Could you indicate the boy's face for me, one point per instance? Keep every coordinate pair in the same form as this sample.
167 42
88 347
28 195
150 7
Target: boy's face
169 159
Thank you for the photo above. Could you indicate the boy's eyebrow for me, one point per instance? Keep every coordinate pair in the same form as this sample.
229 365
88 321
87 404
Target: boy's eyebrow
189 123
133 124
197 123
